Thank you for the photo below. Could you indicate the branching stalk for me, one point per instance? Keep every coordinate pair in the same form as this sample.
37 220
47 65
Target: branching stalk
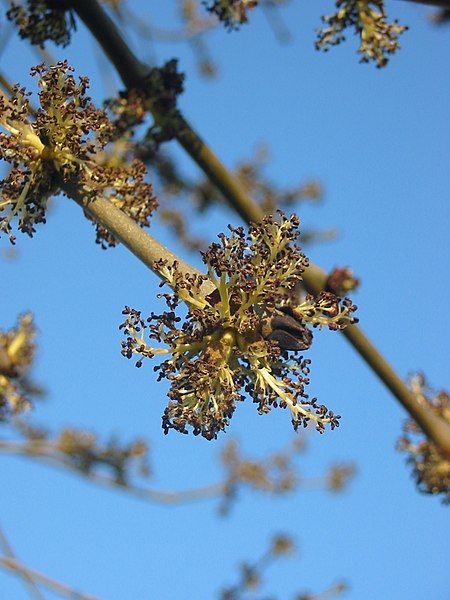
132 72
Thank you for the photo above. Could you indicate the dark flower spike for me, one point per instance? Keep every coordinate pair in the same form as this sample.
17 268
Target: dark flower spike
60 146
224 347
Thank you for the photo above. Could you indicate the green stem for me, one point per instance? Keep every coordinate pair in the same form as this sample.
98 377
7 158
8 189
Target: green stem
124 229
132 71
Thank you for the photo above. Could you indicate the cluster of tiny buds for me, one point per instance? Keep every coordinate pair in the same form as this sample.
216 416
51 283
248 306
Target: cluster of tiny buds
275 473
244 338
43 20
232 13
82 450
17 349
341 281
59 146
379 39
158 91
431 469
251 574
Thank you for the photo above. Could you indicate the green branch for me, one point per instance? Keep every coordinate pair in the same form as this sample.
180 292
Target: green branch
127 231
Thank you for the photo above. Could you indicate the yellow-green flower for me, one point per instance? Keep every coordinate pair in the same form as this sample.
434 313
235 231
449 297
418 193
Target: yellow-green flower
379 38
226 346
58 144
16 355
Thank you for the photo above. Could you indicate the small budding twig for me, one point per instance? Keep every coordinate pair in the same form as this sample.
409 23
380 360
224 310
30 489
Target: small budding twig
133 72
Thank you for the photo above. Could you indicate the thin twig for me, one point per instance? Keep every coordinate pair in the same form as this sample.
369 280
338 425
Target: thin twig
62 589
48 455
27 579
132 72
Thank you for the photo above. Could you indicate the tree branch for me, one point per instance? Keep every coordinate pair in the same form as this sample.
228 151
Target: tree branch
28 580
441 3
10 564
124 229
132 71
48 455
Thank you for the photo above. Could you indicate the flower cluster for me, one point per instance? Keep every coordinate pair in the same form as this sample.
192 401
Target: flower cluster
16 355
367 17
250 578
231 12
242 337
157 92
251 574
43 20
431 470
81 450
276 473
58 147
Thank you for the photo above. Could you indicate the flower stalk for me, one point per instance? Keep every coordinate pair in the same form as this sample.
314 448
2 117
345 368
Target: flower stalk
132 72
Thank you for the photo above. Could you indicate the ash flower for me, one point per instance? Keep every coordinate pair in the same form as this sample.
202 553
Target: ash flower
17 350
226 345
43 20
368 18
431 470
231 12
59 146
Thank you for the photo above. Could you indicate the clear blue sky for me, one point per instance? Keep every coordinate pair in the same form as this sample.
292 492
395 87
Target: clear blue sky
378 140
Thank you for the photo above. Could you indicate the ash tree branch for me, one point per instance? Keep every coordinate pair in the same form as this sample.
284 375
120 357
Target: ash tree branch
440 3
13 565
48 455
132 72
141 244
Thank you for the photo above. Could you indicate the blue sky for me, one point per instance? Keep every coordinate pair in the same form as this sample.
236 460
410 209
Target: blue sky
378 141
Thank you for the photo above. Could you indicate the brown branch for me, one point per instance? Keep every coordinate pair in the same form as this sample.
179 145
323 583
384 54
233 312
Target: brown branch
441 3
132 72
10 564
47 454
28 580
